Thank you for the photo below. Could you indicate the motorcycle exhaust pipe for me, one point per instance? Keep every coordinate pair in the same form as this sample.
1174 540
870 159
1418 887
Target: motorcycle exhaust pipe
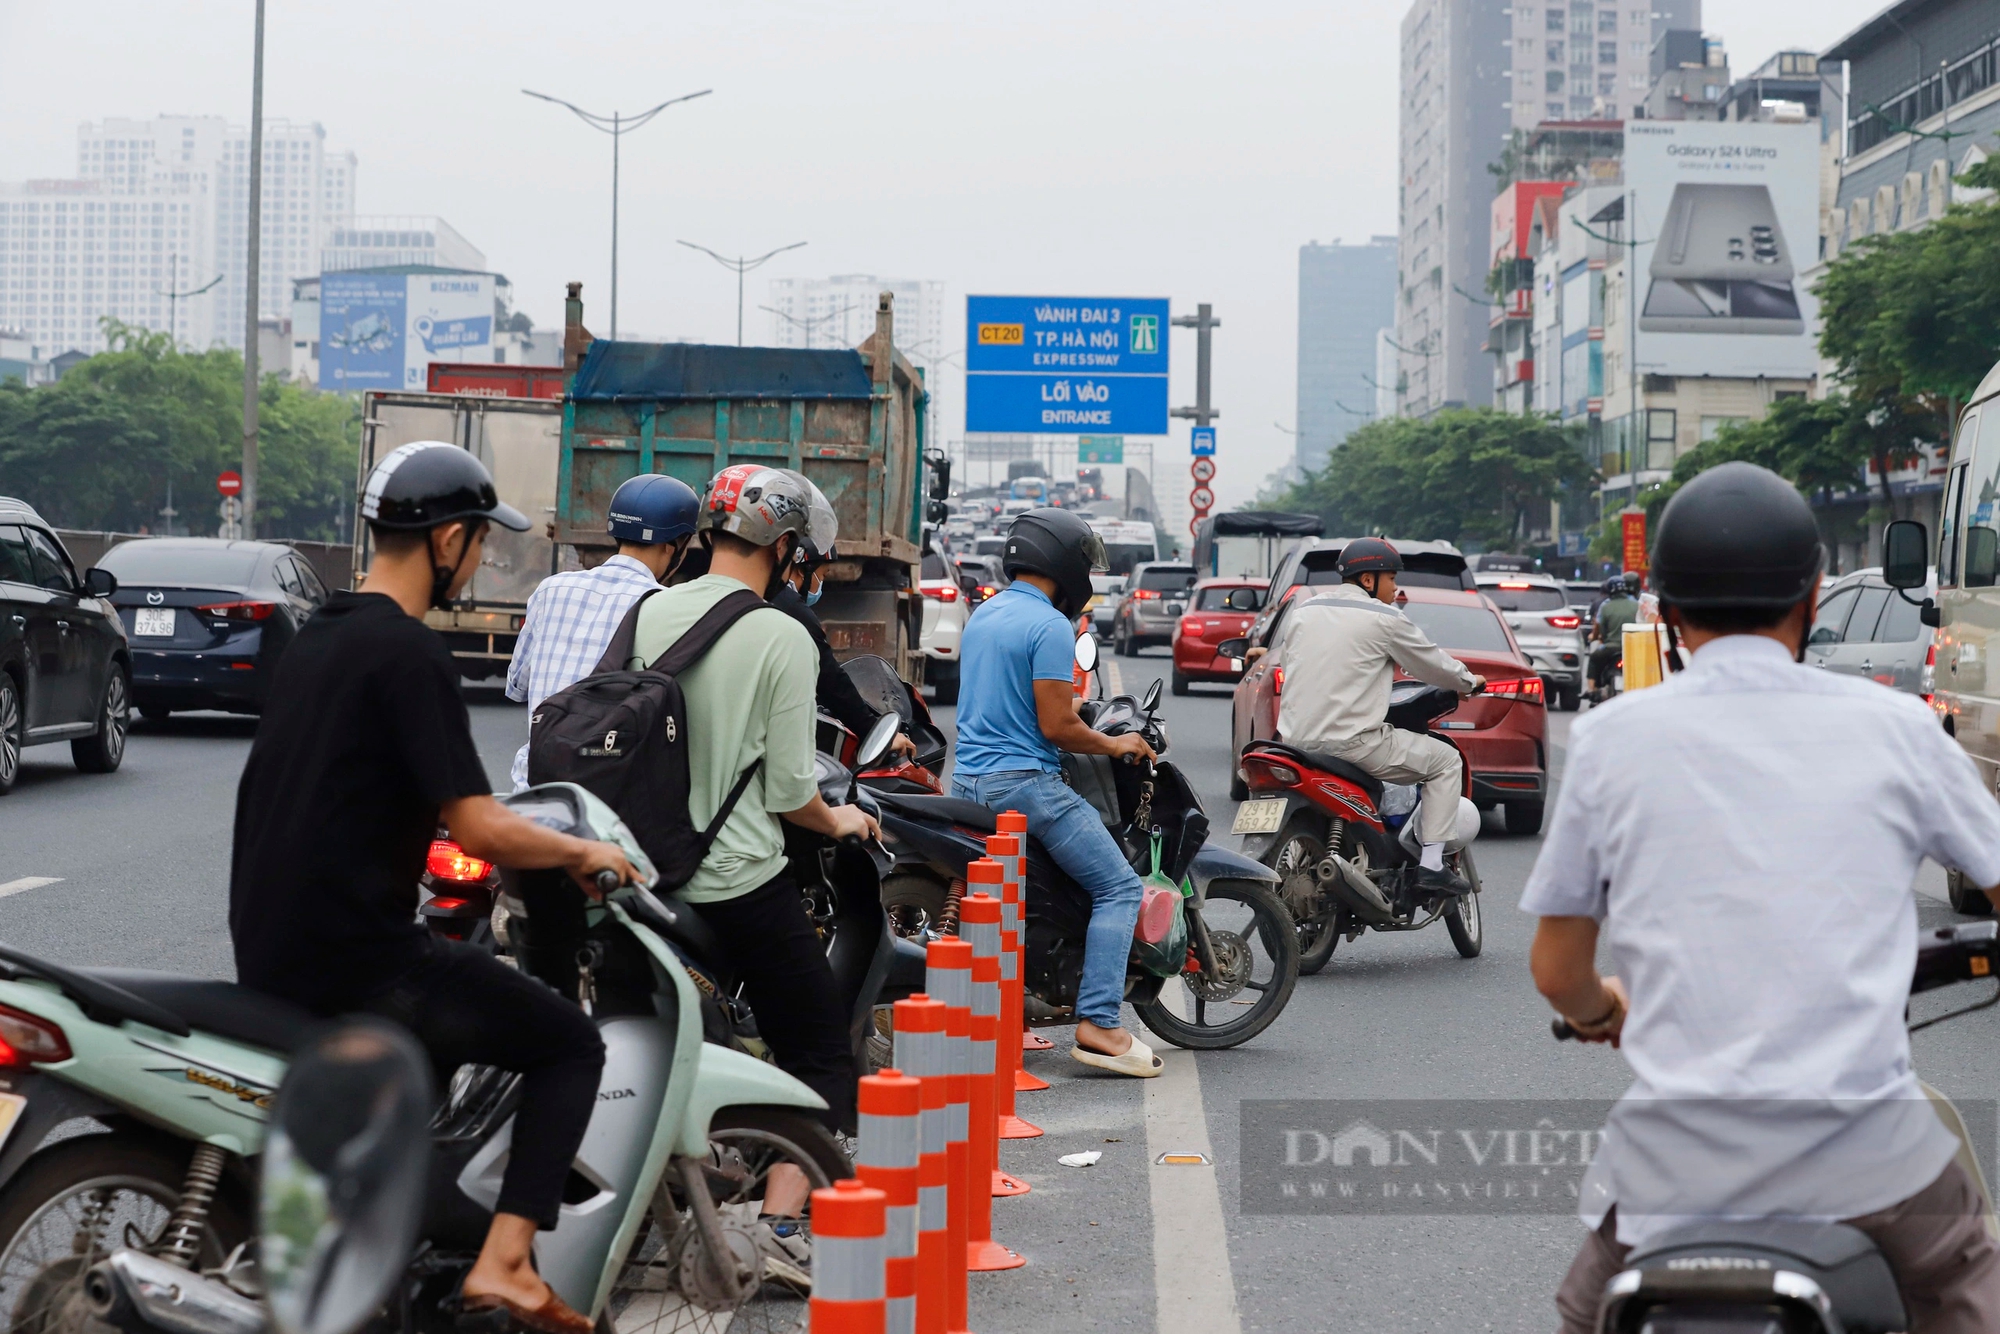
1351 885
137 1292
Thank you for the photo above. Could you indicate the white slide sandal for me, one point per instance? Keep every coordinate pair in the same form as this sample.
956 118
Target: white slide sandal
1136 1060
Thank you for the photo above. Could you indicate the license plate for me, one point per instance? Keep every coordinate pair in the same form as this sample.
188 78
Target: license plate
1259 817
1236 664
155 622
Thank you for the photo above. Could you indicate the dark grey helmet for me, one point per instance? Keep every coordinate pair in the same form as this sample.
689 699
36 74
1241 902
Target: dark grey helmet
1369 555
1058 545
1736 536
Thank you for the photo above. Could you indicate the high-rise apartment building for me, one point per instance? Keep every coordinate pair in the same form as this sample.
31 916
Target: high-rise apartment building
1474 72
1347 296
840 312
382 243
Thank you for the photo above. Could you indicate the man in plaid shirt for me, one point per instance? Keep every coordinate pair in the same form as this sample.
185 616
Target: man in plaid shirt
572 616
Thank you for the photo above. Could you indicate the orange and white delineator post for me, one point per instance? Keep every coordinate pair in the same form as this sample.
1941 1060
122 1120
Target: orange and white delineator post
849 1239
1006 849
886 1156
949 979
1015 823
921 1053
979 922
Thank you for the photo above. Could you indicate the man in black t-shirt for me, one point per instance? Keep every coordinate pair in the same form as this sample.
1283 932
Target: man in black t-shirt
363 748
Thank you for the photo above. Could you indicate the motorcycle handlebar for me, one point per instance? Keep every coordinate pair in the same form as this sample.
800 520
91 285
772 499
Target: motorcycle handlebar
606 881
1560 1030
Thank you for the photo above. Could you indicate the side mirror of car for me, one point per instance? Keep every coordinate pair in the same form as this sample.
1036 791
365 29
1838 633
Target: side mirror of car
1233 648
99 582
936 511
1086 651
1905 555
940 476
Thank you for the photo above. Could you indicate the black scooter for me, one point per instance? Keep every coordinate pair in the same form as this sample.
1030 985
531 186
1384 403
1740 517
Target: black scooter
1782 1274
1242 954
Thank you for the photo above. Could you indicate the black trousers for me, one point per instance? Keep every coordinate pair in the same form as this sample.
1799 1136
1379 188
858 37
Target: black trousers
778 957
466 1007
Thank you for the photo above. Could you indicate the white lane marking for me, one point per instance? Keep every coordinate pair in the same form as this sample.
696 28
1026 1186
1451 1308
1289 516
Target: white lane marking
1194 1289
28 882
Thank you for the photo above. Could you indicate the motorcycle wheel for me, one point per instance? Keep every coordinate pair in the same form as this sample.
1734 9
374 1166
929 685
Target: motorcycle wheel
1257 955
1297 851
77 1203
914 903
1463 919
667 1283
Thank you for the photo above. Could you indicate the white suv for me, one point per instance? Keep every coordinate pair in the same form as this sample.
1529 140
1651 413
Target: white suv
1550 631
944 621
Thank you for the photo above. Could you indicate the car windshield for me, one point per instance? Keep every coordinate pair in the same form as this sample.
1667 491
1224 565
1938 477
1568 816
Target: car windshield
1525 597
188 567
1219 599
1472 629
1167 579
1122 556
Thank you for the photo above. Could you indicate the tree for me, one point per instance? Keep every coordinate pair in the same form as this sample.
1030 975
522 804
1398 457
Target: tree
100 448
1463 475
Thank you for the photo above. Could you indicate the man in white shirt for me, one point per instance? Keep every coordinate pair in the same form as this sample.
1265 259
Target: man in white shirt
572 616
1339 651
1746 837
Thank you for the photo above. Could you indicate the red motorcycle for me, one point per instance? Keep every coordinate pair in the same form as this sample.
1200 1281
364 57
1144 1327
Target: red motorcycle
888 693
1344 844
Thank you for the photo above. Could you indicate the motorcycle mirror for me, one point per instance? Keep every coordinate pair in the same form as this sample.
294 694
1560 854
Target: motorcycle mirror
876 744
341 1193
1152 697
1233 648
1086 651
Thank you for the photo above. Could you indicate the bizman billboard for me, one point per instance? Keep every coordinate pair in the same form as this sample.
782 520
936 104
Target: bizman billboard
382 330
1725 215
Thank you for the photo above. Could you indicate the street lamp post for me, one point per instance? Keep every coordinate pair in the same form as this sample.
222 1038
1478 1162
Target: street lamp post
253 281
805 324
174 296
617 126
742 265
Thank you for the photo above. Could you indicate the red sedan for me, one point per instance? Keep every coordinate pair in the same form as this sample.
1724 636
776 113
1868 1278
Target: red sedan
1503 732
1218 609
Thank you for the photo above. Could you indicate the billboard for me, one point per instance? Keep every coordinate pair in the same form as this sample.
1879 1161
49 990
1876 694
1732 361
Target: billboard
1725 216
1066 365
382 330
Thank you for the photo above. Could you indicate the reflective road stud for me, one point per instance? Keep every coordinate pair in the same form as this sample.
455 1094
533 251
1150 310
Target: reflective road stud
1011 1077
848 1252
979 922
1015 823
950 980
920 1051
885 1157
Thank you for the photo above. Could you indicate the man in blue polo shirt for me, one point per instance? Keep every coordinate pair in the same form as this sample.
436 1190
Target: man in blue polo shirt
1016 711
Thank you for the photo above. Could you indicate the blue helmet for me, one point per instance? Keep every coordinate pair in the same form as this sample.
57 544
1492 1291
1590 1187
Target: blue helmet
653 509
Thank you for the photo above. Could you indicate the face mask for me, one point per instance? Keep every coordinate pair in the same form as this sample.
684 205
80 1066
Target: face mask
812 598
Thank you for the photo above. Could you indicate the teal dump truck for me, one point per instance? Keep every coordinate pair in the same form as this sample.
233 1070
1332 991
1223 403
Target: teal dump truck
851 420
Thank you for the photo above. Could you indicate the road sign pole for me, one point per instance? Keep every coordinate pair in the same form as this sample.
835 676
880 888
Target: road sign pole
1203 413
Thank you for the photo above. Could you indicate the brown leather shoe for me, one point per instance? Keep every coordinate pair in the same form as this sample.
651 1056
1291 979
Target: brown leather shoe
553 1316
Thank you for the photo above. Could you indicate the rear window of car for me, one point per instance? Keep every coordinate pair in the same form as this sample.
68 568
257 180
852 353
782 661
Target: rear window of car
1167 579
1528 597
934 566
1584 595
189 567
1470 629
1217 599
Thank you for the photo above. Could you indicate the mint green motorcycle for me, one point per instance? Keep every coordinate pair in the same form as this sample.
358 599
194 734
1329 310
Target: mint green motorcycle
133 1106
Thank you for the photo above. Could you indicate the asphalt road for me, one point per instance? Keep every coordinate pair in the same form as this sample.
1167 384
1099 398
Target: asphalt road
132 869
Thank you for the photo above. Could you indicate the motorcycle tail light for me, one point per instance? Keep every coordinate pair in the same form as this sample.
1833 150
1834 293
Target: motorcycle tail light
1562 622
1263 771
444 904
239 611
1277 680
448 861
26 1040
1528 689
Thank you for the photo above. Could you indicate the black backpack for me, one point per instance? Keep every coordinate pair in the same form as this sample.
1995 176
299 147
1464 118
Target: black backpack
623 735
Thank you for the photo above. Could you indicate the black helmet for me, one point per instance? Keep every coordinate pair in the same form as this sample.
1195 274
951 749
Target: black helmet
1736 536
429 483
1059 545
1369 555
1614 586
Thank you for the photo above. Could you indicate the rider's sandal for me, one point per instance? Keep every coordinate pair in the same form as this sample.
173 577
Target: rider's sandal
1136 1060
487 1314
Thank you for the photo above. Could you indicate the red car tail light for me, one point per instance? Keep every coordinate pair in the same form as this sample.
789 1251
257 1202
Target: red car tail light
239 611
448 861
1277 680
1267 771
1527 689
942 592
1143 595
987 591
1562 622
26 1040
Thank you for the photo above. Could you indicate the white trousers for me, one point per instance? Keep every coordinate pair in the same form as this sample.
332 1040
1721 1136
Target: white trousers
1396 756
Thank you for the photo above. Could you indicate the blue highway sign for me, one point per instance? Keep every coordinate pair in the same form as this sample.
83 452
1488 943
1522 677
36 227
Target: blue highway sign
1066 365
1201 442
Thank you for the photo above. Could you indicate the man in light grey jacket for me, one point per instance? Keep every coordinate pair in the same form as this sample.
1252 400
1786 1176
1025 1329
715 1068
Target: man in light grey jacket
1339 651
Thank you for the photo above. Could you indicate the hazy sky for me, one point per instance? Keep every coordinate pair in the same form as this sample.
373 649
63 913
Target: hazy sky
1166 149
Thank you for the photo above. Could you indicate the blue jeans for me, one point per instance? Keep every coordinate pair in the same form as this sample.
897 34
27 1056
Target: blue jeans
1074 834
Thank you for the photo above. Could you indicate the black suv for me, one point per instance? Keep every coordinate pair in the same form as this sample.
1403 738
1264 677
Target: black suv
65 671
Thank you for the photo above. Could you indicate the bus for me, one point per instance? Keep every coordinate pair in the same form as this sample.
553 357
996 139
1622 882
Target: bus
1034 489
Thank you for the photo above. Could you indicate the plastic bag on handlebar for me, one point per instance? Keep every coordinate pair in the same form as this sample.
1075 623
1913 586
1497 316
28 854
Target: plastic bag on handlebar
1160 937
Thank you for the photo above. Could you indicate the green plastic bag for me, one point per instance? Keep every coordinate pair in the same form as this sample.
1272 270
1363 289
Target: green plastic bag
1160 937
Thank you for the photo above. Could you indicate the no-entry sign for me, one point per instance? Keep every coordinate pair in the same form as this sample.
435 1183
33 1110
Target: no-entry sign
230 484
